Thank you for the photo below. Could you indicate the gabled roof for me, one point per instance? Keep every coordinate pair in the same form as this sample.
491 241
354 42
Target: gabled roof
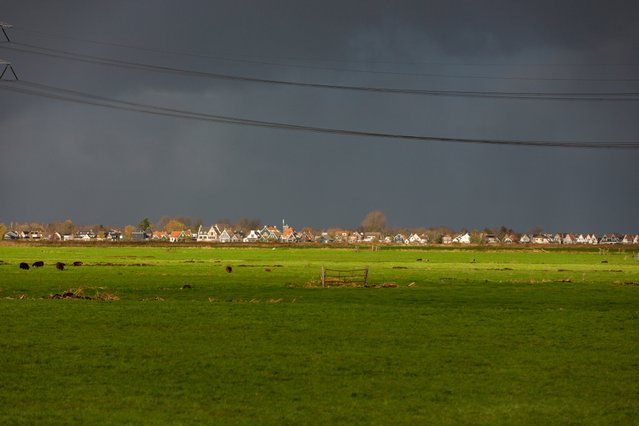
288 232
273 230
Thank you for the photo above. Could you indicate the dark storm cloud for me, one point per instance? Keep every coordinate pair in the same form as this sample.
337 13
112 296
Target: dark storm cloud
98 165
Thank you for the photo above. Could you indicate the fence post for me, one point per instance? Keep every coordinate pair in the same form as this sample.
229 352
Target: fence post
323 276
366 276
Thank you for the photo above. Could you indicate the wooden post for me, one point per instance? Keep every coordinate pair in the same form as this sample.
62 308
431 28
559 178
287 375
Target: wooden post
366 276
323 276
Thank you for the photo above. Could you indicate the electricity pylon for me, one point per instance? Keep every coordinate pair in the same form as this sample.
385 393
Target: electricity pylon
6 66
4 25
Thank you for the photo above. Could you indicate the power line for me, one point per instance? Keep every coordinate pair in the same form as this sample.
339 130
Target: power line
351 61
557 96
324 68
67 95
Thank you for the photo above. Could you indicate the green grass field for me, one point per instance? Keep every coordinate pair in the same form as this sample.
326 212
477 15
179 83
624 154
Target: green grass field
481 337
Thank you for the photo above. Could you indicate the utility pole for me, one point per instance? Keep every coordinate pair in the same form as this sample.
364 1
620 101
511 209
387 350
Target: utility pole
3 26
6 66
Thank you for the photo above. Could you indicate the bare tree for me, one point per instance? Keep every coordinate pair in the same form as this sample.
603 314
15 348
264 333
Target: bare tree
128 231
247 224
224 223
375 221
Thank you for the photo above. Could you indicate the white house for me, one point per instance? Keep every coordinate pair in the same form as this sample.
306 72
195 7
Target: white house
252 237
416 239
462 238
627 239
225 236
540 239
491 239
591 239
568 239
288 235
371 237
211 235
400 239
525 239
509 239
581 239
355 237
610 239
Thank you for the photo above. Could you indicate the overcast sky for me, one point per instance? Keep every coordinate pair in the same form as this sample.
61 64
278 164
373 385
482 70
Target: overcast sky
95 165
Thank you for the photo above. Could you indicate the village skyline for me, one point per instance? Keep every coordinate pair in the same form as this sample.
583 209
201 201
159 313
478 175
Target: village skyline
372 229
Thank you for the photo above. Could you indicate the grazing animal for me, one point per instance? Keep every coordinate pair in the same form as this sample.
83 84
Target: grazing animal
38 264
77 263
24 265
419 260
229 269
267 269
186 286
60 266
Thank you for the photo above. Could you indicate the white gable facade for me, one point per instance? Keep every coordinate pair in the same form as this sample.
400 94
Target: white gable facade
211 235
540 239
252 237
225 237
462 238
525 239
416 239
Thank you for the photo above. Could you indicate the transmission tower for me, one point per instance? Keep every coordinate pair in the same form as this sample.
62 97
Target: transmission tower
6 66
4 25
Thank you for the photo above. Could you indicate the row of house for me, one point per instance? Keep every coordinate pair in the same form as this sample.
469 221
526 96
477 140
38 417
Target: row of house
220 234
266 234
112 235
465 238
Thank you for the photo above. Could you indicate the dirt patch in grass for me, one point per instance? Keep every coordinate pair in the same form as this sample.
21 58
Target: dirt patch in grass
269 301
633 283
18 297
563 280
335 283
78 293
386 285
259 266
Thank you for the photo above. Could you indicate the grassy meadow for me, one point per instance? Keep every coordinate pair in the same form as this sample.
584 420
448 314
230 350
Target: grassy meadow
500 336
